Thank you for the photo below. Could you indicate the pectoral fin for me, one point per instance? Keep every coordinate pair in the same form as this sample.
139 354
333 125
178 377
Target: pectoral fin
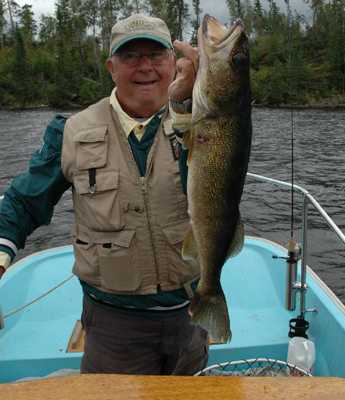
188 142
189 249
238 239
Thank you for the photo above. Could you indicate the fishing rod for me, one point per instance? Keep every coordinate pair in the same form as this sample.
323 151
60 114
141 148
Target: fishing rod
298 326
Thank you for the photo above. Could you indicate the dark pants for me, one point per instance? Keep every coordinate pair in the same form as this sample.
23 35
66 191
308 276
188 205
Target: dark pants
128 344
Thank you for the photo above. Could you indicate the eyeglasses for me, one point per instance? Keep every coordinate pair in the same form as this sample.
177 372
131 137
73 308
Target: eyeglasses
132 58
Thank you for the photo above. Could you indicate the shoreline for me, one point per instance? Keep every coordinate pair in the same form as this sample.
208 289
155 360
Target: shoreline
327 104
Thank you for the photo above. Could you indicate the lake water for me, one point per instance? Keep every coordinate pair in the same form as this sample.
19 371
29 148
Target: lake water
319 167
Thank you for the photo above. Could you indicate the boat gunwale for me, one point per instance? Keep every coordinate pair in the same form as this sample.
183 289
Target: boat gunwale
22 260
330 294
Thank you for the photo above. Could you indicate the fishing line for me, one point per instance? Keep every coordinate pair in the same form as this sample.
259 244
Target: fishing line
292 126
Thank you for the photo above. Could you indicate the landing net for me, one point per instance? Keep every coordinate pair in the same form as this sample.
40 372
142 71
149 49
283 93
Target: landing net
258 367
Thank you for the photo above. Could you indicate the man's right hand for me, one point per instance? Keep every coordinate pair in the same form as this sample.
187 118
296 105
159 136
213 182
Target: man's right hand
2 270
186 67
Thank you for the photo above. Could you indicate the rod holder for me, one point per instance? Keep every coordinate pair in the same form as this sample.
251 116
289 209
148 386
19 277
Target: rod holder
291 276
291 279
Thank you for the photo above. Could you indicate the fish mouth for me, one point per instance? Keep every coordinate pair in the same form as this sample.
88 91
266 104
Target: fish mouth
217 38
223 74
219 35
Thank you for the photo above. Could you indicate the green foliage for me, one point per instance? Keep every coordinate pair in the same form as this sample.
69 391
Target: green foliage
62 62
19 70
267 51
267 85
90 92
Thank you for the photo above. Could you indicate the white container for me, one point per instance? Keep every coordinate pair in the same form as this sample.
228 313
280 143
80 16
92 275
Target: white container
301 352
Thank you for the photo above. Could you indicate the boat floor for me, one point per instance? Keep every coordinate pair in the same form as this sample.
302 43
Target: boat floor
35 340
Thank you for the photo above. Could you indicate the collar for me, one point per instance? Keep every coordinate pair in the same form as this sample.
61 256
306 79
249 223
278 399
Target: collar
138 126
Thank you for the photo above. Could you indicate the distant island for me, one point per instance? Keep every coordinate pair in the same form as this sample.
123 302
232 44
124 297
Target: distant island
61 63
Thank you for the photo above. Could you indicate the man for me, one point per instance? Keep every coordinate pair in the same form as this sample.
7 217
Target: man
120 158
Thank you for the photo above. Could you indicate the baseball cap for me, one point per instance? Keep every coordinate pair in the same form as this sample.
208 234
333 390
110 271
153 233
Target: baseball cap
139 26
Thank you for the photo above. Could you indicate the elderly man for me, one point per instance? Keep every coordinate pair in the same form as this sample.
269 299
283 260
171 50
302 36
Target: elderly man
123 162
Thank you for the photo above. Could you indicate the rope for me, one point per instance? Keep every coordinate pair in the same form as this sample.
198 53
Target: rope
39 297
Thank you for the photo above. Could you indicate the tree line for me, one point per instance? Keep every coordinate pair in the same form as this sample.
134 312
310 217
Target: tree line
60 60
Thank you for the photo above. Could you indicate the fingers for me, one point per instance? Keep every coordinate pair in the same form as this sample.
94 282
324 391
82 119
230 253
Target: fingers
186 68
189 52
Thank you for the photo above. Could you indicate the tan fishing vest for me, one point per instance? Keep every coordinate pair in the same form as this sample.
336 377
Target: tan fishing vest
128 230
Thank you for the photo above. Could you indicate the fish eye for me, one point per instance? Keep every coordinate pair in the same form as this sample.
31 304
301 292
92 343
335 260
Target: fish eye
239 59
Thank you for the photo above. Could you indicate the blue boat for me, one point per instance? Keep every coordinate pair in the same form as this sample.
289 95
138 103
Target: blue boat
41 307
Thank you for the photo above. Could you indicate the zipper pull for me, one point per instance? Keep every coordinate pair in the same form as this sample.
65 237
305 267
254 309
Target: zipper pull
143 184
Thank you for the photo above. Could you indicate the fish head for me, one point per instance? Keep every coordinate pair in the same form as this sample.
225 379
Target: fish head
222 85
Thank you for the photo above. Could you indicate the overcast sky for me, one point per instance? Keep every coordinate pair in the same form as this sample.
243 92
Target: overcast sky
216 8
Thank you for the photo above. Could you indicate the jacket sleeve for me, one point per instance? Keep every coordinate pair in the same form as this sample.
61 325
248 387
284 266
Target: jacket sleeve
30 200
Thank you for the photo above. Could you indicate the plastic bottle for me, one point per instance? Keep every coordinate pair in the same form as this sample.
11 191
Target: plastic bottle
301 352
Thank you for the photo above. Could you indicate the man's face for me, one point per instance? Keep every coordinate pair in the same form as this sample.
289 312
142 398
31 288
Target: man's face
142 89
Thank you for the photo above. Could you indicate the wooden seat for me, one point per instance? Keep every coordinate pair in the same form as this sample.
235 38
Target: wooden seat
131 387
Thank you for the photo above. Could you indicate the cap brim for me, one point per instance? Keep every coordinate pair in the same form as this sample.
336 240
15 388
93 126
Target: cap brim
151 37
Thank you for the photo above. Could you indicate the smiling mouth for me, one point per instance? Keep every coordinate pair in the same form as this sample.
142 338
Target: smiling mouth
146 82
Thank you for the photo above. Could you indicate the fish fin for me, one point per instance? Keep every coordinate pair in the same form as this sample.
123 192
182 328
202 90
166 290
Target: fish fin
188 136
211 313
238 239
188 142
189 249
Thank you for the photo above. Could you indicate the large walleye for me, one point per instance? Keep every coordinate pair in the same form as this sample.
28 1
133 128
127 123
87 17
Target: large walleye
219 146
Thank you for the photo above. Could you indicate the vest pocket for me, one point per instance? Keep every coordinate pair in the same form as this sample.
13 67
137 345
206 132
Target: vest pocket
117 263
99 208
179 270
92 147
86 265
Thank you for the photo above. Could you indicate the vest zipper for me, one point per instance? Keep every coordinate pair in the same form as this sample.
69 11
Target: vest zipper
143 180
143 184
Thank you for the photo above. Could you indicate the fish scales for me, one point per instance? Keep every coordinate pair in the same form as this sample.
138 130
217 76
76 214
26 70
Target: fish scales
219 153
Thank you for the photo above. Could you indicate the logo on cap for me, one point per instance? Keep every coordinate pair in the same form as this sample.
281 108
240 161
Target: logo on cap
139 25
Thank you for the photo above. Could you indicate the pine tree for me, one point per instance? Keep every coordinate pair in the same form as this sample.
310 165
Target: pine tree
336 39
27 23
317 8
195 22
3 22
177 18
108 14
19 70
12 8
157 8
47 32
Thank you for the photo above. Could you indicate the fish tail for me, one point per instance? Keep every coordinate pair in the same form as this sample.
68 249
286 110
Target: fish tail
211 313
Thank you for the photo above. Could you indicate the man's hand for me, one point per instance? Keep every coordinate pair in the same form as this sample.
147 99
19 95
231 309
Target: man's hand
2 270
182 87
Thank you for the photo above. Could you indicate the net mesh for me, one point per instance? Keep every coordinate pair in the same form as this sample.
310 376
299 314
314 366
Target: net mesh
254 367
